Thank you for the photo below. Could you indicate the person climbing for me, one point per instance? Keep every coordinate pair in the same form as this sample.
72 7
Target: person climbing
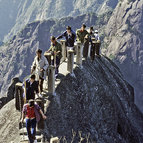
31 113
30 87
81 33
56 51
70 37
40 66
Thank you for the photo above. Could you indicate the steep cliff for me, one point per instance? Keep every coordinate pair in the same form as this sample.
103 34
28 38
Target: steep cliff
97 102
124 40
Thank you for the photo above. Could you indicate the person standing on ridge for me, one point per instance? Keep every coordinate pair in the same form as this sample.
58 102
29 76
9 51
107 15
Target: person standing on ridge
31 113
56 51
96 47
30 87
70 37
82 36
39 66
81 33
91 34
96 35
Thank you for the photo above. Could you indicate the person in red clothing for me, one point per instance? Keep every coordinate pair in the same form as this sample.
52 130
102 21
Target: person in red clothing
31 113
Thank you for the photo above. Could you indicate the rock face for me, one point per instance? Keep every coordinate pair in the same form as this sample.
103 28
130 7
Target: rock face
97 101
10 93
125 39
16 14
9 121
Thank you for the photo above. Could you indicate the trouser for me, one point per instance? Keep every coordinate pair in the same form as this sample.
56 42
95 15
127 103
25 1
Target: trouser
57 64
85 48
41 80
92 52
97 49
31 129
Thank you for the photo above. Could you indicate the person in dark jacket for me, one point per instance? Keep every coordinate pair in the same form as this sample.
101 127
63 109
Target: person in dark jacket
91 34
82 33
30 88
70 37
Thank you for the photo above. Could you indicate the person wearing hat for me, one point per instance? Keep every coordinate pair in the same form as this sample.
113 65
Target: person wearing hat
70 37
56 51
39 66
31 113
30 87
81 33
96 35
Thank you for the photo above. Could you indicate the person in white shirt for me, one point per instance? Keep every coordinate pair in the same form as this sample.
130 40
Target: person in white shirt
96 35
39 66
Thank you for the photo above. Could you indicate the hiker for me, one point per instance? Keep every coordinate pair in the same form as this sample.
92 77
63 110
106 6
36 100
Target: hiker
56 51
70 37
82 36
31 114
40 66
91 34
30 87
95 47
81 33
96 35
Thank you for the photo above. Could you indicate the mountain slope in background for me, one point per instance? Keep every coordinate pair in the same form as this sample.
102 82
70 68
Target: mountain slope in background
17 55
124 35
15 14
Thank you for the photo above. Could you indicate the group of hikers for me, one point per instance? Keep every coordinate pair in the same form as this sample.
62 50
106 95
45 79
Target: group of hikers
34 85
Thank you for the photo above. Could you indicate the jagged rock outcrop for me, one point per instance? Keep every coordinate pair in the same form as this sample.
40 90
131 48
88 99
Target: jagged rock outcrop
97 101
10 93
16 14
124 40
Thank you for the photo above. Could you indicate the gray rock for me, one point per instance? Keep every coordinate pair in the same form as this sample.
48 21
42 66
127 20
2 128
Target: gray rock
97 101
10 94
125 39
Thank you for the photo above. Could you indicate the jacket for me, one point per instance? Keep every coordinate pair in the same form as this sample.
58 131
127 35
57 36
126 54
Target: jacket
40 64
70 39
81 35
57 47
30 89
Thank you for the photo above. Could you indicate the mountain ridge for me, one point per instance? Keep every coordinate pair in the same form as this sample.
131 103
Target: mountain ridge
16 14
